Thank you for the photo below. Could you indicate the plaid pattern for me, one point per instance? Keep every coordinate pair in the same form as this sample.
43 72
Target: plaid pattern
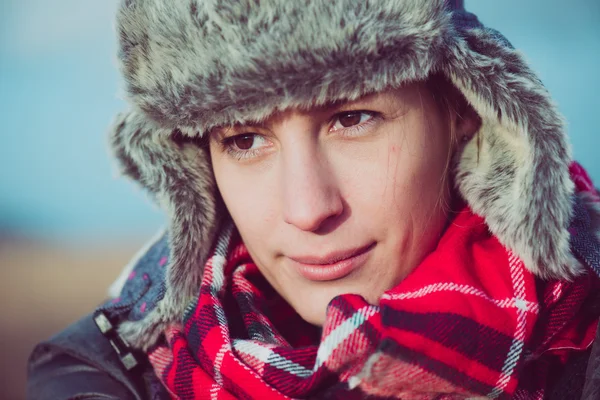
469 321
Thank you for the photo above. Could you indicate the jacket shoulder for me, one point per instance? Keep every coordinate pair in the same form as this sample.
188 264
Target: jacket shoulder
79 361
84 359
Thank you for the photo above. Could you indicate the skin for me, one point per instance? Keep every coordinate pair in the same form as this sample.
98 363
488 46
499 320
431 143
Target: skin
309 183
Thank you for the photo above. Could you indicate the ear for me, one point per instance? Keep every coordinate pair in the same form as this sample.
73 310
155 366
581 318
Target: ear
467 122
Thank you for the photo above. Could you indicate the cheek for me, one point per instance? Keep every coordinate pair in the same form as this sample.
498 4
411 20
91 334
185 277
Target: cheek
420 190
396 178
250 200
418 164
397 196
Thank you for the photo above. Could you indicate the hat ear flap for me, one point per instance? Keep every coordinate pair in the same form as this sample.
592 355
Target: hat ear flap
515 171
177 171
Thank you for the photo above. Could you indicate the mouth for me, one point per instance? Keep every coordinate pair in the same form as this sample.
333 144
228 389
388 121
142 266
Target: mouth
333 266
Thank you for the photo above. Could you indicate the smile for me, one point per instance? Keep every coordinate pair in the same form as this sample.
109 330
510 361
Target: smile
334 266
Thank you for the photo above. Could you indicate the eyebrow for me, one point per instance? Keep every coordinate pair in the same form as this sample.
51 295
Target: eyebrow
322 108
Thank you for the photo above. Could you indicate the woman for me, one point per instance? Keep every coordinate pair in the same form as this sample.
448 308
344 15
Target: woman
366 199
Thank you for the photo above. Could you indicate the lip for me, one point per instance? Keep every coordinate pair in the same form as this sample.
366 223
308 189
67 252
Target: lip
333 266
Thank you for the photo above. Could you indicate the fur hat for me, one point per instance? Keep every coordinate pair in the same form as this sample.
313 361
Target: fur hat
193 65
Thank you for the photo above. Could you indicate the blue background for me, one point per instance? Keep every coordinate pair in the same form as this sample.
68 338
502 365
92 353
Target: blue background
59 91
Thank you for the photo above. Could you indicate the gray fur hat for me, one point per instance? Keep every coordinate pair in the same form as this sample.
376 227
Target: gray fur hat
191 65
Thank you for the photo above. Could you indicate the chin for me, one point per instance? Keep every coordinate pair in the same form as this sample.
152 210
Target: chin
316 320
312 307
315 312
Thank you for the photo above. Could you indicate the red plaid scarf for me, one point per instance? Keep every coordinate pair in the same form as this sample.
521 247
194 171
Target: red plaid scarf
469 321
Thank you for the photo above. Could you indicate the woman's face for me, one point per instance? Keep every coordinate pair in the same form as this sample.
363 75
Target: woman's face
341 199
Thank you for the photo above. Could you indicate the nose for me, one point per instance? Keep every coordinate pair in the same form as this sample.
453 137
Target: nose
311 195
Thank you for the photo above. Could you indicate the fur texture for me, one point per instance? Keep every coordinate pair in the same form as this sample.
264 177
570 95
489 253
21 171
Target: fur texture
179 176
515 173
192 65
